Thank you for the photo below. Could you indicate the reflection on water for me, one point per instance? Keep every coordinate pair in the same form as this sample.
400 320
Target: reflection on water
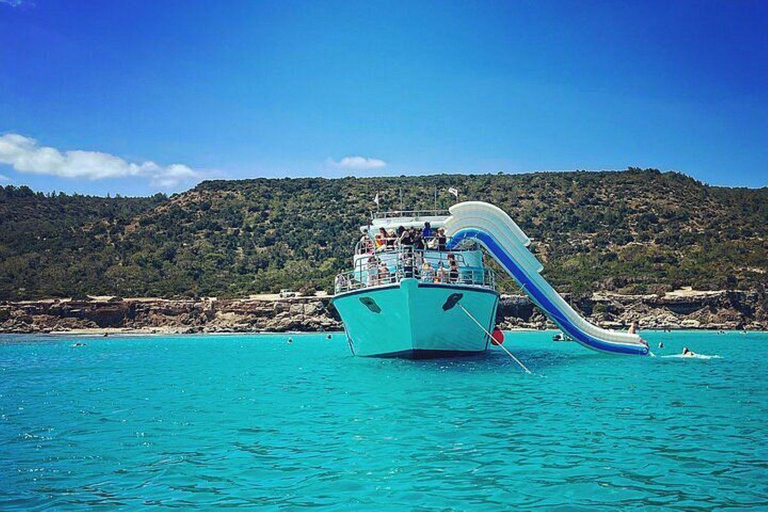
252 420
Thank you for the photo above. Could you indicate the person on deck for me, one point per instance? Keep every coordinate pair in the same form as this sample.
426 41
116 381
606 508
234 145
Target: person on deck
408 265
379 242
441 240
404 237
427 272
384 275
418 241
366 244
427 233
441 274
391 238
453 273
372 277
341 282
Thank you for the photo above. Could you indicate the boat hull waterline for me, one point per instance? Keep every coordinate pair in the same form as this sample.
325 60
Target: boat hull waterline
413 319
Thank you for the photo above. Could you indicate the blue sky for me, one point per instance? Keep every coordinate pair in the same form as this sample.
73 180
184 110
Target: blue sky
138 97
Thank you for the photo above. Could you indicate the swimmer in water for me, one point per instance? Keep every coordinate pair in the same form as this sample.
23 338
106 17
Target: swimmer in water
328 336
687 352
661 344
290 340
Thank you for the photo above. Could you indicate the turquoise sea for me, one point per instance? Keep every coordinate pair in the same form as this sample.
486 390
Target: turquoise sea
214 421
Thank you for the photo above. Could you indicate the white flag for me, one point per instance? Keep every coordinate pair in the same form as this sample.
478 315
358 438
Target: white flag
454 192
376 199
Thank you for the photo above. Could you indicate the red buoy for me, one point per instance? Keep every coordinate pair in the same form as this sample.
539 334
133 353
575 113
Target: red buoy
498 337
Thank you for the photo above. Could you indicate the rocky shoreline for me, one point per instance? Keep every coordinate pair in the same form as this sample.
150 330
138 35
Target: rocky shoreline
684 309
167 316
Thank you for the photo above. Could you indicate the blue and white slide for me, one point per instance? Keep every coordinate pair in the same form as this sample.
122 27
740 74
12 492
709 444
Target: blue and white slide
492 228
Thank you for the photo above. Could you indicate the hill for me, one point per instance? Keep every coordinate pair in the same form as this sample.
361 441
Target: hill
635 231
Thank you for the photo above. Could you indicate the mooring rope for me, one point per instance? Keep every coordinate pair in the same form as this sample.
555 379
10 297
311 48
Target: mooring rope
510 354
349 341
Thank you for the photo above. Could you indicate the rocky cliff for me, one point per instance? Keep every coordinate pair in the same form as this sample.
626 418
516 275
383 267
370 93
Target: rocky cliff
684 309
169 316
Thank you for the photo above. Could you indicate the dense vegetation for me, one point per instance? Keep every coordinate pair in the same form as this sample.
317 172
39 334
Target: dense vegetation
631 231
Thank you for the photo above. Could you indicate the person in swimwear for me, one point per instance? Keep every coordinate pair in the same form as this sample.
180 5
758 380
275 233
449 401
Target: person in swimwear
687 352
633 328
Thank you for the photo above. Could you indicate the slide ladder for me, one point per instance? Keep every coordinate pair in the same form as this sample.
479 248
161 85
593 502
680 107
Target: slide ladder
492 228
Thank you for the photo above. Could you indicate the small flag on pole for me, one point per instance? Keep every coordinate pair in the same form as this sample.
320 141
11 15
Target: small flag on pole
454 192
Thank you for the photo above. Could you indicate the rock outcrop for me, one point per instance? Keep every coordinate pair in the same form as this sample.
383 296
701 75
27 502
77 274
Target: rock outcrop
177 316
684 309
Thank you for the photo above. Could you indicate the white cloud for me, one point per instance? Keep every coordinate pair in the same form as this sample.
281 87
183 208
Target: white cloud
26 155
359 162
15 3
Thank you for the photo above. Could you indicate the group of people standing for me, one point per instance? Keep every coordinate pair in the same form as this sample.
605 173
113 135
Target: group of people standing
419 239
410 263
409 255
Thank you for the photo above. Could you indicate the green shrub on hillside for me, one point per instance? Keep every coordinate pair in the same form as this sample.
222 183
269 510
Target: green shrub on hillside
636 231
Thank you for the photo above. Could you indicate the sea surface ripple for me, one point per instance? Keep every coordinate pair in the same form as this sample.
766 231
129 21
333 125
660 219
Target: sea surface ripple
252 420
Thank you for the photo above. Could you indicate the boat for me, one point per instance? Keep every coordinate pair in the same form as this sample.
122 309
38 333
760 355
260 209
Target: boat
392 307
403 300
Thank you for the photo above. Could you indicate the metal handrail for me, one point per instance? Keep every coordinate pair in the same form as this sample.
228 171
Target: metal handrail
409 213
407 266
369 247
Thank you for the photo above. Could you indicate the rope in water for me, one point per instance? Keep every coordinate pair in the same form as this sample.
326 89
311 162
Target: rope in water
349 341
491 337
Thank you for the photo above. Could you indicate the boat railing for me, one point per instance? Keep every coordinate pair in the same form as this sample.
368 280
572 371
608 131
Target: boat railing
367 245
467 276
409 213
409 266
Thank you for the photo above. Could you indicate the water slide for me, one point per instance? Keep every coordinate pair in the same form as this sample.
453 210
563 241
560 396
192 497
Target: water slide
505 241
